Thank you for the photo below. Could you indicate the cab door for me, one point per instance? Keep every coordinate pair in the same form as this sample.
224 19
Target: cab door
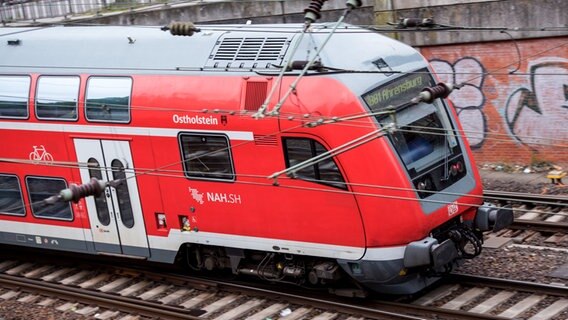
117 224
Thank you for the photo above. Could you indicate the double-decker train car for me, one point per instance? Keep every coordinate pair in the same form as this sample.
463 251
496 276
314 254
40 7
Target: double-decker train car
364 184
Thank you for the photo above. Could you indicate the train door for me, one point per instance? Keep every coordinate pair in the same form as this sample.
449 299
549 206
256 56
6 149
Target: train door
116 219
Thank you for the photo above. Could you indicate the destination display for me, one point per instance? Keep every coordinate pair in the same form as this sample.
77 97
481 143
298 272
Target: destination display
398 91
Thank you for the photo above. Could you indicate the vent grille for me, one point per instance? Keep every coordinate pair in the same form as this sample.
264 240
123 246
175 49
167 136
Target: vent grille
255 95
269 140
250 49
245 52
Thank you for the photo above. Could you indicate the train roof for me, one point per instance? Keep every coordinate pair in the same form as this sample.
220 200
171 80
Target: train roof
222 48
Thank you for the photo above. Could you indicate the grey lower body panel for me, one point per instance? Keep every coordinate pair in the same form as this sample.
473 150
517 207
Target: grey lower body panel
70 245
51 243
384 277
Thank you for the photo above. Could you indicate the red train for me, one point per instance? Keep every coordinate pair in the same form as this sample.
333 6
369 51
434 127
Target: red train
386 193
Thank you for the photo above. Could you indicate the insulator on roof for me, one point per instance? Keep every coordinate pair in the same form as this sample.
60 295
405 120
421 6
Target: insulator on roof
181 28
354 3
441 90
313 11
415 22
301 64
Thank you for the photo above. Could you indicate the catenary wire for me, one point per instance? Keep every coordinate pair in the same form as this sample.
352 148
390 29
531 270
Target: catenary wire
182 174
338 191
292 28
488 136
155 171
454 73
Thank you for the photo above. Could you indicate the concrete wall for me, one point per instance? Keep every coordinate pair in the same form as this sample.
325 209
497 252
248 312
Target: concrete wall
204 12
512 14
240 12
33 10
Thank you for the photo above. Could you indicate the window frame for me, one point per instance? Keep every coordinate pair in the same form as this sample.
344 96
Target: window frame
31 202
101 208
37 86
343 185
123 192
27 116
4 213
85 98
233 177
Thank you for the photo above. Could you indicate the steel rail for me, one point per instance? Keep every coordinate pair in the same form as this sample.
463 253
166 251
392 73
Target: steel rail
435 312
370 308
550 200
157 310
540 226
517 285
328 302
90 297
373 309
536 199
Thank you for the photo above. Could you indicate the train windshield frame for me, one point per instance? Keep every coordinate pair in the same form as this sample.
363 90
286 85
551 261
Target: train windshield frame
423 135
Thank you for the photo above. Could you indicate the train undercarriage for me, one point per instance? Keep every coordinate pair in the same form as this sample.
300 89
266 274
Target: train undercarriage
269 266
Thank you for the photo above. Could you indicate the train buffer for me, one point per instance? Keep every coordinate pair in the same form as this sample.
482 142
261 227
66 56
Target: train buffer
556 176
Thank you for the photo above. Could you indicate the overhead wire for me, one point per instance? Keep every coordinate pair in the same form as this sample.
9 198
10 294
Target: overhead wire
341 121
217 151
233 112
469 80
152 172
293 29
155 171
521 60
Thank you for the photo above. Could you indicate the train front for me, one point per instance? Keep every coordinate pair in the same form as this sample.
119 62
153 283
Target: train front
417 186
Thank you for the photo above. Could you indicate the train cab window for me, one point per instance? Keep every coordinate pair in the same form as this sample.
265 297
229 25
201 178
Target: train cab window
40 188
206 156
126 215
11 201
56 98
326 172
14 95
108 99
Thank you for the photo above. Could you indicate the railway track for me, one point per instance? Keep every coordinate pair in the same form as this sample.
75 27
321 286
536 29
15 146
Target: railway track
119 294
107 293
112 294
540 213
82 301
492 298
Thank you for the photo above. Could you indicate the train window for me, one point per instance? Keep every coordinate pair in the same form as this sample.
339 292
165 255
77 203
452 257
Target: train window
56 98
206 156
100 202
122 194
326 171
108 99
11 201
40 188
14 94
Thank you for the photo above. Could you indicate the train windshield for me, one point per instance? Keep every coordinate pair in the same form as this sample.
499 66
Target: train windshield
423 136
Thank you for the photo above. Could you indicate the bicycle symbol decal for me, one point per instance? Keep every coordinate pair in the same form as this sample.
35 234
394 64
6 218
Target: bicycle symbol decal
39 154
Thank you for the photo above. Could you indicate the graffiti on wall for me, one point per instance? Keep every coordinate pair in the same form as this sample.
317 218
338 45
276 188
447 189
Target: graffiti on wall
534 114
537 114
469 100
514 105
